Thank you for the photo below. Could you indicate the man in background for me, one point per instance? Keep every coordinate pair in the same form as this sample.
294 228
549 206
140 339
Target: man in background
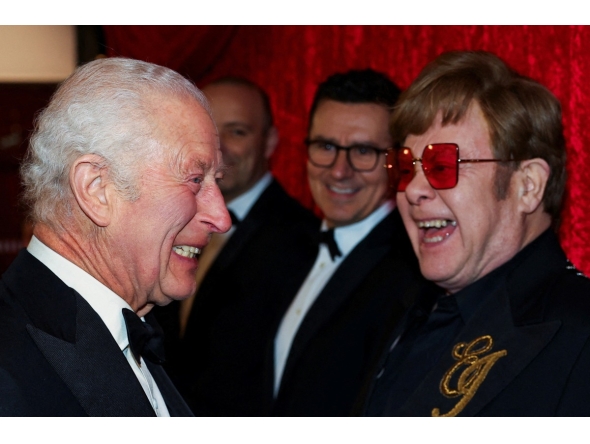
355 287
224 327
121 180
482 175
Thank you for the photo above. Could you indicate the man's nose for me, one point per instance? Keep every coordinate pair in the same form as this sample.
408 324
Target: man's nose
341 167
419 188
219 217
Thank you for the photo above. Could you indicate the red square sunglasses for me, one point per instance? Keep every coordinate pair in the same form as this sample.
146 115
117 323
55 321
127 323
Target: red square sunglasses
440 163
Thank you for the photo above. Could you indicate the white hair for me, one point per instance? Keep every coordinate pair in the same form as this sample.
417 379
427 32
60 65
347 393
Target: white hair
103 108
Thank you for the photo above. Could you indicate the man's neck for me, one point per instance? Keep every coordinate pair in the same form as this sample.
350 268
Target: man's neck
75 246
535 225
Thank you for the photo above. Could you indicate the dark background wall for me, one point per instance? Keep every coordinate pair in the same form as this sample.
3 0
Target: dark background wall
18 105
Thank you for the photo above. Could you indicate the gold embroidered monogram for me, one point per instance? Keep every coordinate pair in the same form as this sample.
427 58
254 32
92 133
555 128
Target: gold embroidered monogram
476 369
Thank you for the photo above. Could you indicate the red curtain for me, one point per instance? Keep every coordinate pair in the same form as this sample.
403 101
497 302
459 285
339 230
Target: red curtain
191 50
289 62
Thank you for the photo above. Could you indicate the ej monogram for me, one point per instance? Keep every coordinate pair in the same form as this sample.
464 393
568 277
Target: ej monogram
475 369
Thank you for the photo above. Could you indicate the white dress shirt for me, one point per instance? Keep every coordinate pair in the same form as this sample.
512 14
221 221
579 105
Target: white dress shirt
242 204
108 306
347 238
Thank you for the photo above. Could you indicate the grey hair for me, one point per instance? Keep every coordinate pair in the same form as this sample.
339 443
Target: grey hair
104 108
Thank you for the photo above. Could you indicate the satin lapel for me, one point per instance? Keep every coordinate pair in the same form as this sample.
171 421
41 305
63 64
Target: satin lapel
512 349
174 401
93 367
345 281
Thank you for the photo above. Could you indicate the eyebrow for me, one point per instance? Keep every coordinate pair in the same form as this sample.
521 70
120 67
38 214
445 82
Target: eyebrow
230 124
333 141
187 167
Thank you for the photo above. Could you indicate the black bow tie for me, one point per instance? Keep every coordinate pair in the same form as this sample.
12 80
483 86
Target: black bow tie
144 339
327 237
234 219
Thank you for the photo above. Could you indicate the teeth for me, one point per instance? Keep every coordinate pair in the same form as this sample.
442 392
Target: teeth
436 223
432 240
187 251
342 190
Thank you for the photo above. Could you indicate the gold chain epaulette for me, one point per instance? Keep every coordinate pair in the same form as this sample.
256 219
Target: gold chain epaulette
475 372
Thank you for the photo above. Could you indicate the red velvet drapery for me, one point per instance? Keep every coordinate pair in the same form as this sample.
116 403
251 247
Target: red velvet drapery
289 61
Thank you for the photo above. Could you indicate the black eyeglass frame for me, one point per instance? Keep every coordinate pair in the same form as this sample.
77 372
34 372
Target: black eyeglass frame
459 161
339 148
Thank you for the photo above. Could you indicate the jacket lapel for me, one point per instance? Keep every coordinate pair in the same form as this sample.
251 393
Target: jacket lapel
174 401
345 281
75 342
93 367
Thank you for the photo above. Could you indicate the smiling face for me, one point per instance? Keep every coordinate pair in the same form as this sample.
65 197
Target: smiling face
478 232
346 196
154 239
239 114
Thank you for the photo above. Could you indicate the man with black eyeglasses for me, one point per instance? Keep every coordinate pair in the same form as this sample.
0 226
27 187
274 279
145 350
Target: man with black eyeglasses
361 278
481 174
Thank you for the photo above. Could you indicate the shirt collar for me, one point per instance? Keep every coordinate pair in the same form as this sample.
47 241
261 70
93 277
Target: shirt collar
241 205
348 236
104 302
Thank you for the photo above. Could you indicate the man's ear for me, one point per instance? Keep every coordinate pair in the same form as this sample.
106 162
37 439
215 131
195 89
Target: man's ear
88 180
533 176
272 140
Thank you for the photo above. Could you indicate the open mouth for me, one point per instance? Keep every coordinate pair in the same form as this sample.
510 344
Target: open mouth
186 251
341 190
436 230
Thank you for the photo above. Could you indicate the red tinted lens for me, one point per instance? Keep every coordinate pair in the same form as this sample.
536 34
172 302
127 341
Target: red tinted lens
439 162
405 168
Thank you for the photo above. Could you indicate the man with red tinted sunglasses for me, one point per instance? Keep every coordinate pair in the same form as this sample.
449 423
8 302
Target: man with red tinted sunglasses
480 164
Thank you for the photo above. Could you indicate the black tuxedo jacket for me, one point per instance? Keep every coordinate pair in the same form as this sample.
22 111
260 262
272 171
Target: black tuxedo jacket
218 366
343 331
537 327
57 357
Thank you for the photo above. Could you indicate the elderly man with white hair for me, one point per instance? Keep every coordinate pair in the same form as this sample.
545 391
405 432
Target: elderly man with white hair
122 183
